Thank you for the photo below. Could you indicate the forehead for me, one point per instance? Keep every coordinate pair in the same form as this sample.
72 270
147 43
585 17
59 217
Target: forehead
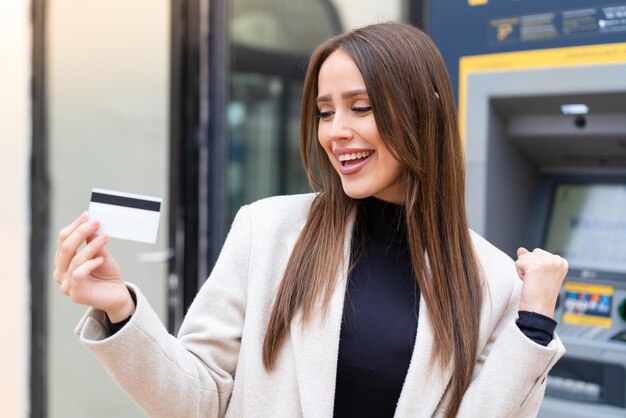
339 73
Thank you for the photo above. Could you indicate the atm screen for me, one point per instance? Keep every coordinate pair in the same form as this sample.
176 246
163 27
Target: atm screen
587 226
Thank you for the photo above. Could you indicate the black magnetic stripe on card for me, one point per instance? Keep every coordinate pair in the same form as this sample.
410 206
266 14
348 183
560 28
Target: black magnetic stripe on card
129 202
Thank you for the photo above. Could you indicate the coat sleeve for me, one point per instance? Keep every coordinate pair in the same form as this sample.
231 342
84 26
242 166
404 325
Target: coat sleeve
510 374
188 376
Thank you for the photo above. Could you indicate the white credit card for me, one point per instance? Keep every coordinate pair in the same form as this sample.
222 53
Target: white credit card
125 215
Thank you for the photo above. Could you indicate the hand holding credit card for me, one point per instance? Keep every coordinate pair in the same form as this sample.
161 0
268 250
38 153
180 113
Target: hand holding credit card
125 215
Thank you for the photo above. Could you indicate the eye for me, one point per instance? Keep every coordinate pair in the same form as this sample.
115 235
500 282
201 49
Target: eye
325 115
361 109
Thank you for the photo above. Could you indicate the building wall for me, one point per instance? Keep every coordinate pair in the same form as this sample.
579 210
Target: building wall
357 13
15 107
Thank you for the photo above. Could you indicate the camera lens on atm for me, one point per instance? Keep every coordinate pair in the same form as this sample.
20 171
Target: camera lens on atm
580 121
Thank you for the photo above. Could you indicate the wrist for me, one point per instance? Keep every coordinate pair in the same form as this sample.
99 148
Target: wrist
125 310
538 308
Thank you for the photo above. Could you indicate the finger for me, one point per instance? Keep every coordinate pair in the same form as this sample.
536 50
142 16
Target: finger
65 286
65 232
57 276
521 251
541 251
68 248
83 271
560 263
91 250
520 267
103 251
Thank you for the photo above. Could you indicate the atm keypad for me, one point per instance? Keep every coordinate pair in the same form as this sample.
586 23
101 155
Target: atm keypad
573 389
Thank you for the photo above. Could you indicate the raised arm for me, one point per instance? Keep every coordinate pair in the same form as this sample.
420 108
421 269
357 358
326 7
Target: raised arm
191 376
510 374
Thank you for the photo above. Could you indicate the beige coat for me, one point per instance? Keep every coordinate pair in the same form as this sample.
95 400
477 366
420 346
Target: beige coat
214 367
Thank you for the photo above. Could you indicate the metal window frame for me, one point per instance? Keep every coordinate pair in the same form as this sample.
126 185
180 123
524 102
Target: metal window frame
183 155
40 223
198 99
417 13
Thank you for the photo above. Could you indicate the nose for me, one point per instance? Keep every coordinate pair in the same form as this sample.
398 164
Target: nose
340 128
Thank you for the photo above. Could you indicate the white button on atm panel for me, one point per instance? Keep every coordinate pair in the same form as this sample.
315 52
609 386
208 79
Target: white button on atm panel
592 391
569 385
578 388
555 383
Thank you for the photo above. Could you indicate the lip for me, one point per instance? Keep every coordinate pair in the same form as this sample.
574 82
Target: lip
353 169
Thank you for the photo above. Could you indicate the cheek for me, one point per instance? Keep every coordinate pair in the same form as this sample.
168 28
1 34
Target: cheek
323 140
392 166
320 134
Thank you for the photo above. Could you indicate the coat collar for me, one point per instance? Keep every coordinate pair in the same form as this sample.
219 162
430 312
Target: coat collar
316 348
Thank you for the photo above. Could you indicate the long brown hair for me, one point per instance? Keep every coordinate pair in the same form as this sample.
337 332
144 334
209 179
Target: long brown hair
413 105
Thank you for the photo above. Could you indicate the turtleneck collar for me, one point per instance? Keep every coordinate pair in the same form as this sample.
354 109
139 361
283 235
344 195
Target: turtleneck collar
384 221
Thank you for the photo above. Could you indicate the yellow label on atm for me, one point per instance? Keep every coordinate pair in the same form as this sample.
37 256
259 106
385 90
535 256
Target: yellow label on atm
587 304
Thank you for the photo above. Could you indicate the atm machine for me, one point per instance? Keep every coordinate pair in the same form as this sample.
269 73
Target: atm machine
583 218
546 167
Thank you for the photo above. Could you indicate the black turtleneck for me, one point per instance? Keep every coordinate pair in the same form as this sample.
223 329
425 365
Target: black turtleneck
380 315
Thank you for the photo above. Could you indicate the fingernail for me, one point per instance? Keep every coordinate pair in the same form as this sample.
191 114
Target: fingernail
93 222
104 237
84 216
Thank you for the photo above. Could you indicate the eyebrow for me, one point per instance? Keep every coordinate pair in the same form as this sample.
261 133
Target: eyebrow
345 95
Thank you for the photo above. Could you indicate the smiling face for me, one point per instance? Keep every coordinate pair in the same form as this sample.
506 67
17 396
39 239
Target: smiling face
348 133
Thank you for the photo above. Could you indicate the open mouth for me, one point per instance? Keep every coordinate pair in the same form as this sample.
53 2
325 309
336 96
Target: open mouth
348 160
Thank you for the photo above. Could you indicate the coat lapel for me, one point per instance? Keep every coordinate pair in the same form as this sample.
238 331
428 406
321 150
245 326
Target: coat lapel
423 387
316 346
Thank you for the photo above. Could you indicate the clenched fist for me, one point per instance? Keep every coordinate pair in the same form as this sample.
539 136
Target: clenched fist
542 274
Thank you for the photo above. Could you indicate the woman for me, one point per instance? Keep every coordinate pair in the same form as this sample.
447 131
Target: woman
370 297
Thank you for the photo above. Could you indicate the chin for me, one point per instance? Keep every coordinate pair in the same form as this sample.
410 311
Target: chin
356 194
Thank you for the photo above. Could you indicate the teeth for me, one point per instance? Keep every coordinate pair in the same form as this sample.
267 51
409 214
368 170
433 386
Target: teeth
354 156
